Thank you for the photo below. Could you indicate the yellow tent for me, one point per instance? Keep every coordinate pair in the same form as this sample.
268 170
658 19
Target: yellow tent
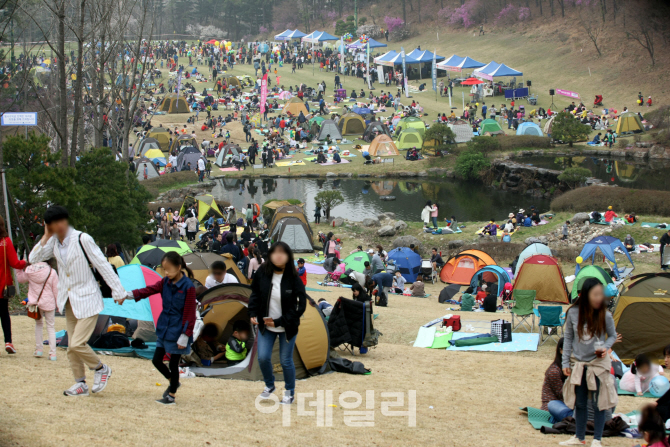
161 135
174 104
351 124
204 204
629 122
294 106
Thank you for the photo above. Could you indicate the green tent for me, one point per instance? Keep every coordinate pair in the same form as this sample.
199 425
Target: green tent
317 119
589 271
490 126
409 138
411 122
356 261
206 206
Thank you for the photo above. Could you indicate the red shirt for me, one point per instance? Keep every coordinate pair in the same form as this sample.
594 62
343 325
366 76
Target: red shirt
9 259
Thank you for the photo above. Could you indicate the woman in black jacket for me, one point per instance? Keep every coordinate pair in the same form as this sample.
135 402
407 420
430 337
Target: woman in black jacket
276 304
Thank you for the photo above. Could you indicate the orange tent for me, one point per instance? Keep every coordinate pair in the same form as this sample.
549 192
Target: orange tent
460 268
383 145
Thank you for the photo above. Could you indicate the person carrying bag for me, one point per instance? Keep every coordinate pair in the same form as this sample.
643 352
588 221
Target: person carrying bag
41 303
9 260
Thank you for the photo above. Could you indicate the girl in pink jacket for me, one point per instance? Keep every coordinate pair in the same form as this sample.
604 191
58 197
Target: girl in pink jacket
42 291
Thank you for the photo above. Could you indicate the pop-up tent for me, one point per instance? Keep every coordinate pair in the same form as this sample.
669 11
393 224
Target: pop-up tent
231 81
491 274
407 261
288 211
318 36
533 249
294 232
607 245
495 70
183 141
589 271
356 261
462 130
173 104
290 34
383 146
358 45
145 145
199 263
294 106
529 128
458 64
224 305
139 169
629 122
156 156
411 122
328 127
188 155
205 204
409 138
641 315
351 124
152 254
161 135
229 150
460 268
490 127
543 274
375 128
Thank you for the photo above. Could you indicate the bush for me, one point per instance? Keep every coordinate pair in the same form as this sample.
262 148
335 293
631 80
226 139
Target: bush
484 144
655 203
362 20
511 142
659 118
471 163
569 129
401 33
623 143
370 30
574 176
440 132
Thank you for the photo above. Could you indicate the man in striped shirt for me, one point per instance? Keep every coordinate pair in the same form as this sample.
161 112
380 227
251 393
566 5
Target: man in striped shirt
79 294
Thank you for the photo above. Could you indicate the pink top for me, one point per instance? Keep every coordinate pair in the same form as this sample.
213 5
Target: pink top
433 212
37 276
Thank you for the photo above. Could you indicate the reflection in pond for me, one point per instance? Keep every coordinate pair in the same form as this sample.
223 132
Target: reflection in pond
623 172
465 201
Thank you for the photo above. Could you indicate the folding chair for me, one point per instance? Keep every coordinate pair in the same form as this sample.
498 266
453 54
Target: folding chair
523 309
550 318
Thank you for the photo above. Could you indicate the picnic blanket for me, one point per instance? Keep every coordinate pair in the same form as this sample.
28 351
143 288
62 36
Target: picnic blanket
441 340
147 353
650 225
331 163
290 163
310 289
621 392
315 269
537 418
228 169
333 284
520 342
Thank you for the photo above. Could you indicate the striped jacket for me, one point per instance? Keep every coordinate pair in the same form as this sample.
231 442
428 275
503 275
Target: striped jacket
75 279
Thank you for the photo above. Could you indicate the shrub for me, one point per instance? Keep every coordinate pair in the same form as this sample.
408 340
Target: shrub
362 20
659 118
574 176
471 163
624 200
511 142
484 144
370 30
569 129
401 33
623 143
440 132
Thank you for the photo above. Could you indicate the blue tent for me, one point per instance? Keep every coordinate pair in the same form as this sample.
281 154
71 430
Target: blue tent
319 36
361 110
496 70
373 44
496 270
424 56
288 35
283 36
607 245
407 262
529 128
394 58
457 63
533 249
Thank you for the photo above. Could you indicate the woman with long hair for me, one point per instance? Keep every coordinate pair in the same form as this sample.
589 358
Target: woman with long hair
276 304
255 262
9 261
552 387
589 333
113 257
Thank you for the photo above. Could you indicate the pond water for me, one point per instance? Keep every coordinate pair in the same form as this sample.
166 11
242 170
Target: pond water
626 173
465 201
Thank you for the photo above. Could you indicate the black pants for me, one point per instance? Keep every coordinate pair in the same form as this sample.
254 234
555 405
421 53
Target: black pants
252 159
317 219
171 373
6 321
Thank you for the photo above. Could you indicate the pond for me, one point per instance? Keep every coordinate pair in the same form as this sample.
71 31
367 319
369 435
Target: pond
465 201
626 173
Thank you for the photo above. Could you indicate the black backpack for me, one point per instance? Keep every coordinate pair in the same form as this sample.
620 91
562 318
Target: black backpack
381 299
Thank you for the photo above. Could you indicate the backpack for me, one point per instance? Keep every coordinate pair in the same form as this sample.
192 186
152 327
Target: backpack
381 299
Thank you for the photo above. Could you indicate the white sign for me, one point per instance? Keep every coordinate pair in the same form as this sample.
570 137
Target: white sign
19 119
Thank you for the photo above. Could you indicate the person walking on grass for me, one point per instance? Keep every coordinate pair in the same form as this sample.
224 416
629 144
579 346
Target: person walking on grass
79 295
174 328
10 261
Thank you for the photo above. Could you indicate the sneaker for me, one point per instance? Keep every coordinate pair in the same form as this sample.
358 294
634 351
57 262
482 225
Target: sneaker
78 389
52 358
37 354
102 376
596 443
166 393
267 392
10 348
167 400
573 441
288 398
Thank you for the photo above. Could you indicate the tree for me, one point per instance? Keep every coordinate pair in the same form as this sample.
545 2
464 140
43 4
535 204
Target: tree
114 204
574 176
471 163
442 133
328 200
593 29
569 129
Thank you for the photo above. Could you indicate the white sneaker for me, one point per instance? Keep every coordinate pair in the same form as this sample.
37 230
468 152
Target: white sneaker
288 398
573 441
267 392
596 443
78 389
102 376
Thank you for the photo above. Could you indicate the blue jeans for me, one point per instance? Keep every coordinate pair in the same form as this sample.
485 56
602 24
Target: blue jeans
266 342
581 410
509 123
558 410
434 221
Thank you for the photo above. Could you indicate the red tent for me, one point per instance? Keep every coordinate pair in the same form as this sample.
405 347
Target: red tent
472 81
213 41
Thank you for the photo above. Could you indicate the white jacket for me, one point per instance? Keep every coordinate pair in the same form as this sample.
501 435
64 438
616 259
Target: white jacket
425 214
75 279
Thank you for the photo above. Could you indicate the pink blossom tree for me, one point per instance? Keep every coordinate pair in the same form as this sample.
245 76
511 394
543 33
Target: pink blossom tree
393 23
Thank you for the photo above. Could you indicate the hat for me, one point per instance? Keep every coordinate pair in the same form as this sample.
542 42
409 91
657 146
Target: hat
609 207
370 251
522 210
511 215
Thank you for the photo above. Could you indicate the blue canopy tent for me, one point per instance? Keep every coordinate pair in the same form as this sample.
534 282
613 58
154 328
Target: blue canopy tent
424 56
407 261
290 34
486 274
282 36
459 64
496 70
373 44
393 58
607 245
318 36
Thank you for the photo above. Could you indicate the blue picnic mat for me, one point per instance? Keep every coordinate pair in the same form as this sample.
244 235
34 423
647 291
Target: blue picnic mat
520 342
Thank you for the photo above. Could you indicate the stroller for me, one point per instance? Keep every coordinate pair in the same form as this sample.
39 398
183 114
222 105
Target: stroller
598 101
427 270
335 269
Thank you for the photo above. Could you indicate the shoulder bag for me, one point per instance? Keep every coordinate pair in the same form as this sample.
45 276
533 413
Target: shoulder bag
102 284
32 310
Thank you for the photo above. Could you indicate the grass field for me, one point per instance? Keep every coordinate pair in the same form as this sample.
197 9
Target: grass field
463 398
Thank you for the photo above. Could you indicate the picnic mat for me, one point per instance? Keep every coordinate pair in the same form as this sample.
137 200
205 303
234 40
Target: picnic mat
537 418
228 169
315 269
290 163
520 342
650 224
331 163
621 392
333 284
426 337
310 289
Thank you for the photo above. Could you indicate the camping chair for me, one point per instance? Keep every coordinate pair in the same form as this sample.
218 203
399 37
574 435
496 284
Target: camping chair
523 309
550 317
350 325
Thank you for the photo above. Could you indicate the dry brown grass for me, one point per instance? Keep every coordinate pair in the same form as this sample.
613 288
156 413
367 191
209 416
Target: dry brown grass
474 396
